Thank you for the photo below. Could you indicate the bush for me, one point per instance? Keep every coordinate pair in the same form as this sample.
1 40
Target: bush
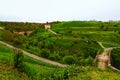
89 60
66 73
17 42
115 53
7 35
44 53
18 59
69 59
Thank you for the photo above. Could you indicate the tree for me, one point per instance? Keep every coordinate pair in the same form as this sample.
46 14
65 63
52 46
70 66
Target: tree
18 59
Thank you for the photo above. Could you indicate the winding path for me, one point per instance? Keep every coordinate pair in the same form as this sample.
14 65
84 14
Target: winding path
34 56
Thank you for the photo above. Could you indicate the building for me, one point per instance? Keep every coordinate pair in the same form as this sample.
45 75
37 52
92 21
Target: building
47 26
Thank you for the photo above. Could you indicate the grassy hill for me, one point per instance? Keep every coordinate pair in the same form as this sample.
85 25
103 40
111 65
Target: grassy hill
77 40
43 71
7 72
31 69
76 44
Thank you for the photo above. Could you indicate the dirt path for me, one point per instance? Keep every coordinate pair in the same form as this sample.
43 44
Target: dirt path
53 32
100 43
34 56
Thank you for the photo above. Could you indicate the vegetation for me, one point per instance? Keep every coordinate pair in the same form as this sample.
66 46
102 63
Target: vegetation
75 45
35 69
7 71
92 73
115 59
20 26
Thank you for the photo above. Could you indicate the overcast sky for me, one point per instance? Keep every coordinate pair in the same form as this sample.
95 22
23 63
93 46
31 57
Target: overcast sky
61 10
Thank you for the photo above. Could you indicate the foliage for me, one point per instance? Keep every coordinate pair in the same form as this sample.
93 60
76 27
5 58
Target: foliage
18 59
20 26
7 35
92 73
115 59
7 72
76 24
44 53
69 59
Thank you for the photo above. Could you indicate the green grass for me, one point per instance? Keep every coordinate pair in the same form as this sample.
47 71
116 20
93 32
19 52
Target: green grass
77 24
34 61
77 39
7 72
91 73
108 45
39 72
5 54
35 69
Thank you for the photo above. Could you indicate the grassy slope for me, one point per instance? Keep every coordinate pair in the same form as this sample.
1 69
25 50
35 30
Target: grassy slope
89 30
91 73
8 73
33 68
6 69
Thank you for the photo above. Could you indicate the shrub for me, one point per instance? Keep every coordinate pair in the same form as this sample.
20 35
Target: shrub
18 59
7 35
17 42
44 53
115 53
69 59
89 60
66 73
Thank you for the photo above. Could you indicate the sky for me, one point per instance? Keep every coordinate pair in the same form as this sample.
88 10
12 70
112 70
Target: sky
59 10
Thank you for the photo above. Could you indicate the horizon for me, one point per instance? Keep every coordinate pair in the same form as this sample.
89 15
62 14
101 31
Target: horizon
59 10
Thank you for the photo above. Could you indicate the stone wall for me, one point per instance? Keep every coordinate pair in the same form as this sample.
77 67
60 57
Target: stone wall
23 32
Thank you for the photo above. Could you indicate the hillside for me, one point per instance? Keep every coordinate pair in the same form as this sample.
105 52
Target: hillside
7 72
74 43
92 73
31 69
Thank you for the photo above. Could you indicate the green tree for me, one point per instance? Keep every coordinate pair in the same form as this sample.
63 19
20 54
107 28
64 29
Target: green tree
18 59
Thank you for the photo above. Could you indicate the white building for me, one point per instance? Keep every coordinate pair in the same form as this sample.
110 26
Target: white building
47 26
